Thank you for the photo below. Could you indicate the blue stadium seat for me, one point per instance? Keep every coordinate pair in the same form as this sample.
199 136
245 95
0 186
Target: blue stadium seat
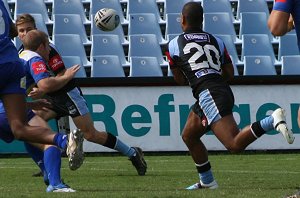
259 65
17 42
231 48
220 23
69 61
171 7
32 7
107 44
7 7
144 67
118 31
258 45
146 45
40 24
255 23
235 69
211 6
71 45
70 7
106 66
288 45
142 7
70 24
171 36
96 5
252 6
290 65
169 71
173 25
145 24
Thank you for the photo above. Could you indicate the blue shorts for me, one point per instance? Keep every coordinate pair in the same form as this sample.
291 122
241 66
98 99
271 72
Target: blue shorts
5 131
13 80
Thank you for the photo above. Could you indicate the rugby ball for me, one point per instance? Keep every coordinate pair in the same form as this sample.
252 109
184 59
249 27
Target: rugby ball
107 19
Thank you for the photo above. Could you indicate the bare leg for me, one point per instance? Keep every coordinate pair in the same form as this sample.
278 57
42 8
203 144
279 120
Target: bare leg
15 109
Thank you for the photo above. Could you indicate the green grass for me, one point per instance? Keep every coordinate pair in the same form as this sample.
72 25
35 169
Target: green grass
247 175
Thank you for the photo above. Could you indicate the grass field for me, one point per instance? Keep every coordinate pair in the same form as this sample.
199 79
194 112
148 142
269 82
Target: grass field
245 175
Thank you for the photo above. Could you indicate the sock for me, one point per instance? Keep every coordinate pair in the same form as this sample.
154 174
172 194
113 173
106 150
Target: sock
60 140
205 173
37 155
257 129
267 123
116 144
52 159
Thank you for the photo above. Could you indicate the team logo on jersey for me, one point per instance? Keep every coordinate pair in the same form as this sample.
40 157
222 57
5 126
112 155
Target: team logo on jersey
56 63
39 67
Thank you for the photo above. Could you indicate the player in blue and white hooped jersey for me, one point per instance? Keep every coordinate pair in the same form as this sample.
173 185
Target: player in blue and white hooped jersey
201 59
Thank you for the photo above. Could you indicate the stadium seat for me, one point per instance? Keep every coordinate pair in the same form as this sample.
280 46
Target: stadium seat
252 6
32 7
118 31
144 67
71 45
146 45
145 24
171 36
169 71
220 23
70 7
173 25
108 45
40 24
171 7
70 24
235 69
259 65
106 66
7 7
231 48
287 45
96 5
142 7
17 42
257 45
212 6
290 65
69 61
255 23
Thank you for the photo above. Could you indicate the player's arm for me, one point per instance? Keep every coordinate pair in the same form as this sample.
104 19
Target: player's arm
280 22
51 83
177 74
227 66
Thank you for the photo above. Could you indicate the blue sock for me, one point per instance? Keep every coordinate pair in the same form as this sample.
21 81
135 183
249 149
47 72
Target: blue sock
60 140
52 159
267 123
206 177
123 148
36 154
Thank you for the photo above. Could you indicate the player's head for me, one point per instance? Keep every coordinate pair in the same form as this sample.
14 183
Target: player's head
37 41
192 16
24 24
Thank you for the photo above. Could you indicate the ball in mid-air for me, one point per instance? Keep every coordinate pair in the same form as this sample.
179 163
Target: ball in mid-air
107 19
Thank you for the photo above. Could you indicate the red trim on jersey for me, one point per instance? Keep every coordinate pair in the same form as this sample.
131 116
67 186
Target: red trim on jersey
39 67
171 62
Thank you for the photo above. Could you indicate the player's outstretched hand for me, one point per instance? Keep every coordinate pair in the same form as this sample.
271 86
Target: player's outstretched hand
35 93
70 72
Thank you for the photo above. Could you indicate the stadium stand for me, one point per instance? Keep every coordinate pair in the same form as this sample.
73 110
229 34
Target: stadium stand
146 45
69 61
145 24
229 12
70 7
71 45
40 24
144 66
107 44
287 46
70 24
106 66
259 65
32 7
288 65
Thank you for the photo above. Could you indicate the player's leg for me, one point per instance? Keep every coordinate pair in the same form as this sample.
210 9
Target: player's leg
194 129
135 154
